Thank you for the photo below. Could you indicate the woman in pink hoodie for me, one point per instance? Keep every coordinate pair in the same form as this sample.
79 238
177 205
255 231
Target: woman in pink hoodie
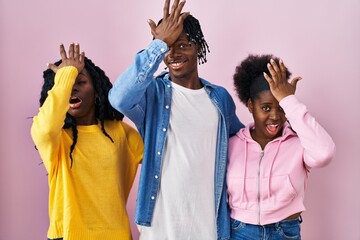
270 159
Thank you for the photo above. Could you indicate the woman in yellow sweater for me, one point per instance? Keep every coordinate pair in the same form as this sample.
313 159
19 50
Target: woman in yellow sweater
91 156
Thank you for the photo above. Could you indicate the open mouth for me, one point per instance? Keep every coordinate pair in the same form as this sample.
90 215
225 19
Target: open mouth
75 102
272 129
176 64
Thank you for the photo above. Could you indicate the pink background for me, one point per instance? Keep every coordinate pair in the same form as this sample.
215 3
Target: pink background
319 40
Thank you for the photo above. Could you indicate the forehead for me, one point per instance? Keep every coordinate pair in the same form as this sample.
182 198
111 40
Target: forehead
265 97
182 37
85 75
84 72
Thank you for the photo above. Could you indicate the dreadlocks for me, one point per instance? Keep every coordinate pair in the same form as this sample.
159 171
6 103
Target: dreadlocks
193 30
103 109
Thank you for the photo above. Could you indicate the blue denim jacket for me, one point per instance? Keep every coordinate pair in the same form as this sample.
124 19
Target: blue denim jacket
146 100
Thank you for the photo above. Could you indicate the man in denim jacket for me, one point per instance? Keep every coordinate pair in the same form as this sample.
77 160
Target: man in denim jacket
185 123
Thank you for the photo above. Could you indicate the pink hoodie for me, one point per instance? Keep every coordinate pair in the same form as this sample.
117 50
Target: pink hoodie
267 186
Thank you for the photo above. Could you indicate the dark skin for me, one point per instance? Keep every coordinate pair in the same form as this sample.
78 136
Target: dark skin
83 90
266 109
280 88
182 63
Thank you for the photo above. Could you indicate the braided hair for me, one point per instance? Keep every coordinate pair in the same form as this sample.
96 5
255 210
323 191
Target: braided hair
249 80
103 109
193 30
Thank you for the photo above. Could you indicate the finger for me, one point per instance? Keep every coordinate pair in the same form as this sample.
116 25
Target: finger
295 80
268 78
275 66
179 9
166 9
53 67
174 7
282 69
82 57
272 71
71 51
62 52
152 25
76 51
182 17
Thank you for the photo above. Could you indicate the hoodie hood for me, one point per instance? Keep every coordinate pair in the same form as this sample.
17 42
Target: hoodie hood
244 133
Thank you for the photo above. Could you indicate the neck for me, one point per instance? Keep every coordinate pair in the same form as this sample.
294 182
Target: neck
193 83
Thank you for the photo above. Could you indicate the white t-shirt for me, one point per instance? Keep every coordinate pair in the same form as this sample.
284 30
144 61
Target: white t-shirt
185 204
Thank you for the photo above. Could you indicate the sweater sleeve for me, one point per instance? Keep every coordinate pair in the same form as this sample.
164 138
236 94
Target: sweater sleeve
135 143
319 148
48 123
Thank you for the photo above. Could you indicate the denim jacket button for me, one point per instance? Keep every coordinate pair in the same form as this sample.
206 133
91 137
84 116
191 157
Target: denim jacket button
167 106
152 197
158 153
164 129
156 176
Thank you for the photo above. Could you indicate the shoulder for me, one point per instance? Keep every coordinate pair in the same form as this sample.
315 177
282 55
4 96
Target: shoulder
131 136
215 88
129 130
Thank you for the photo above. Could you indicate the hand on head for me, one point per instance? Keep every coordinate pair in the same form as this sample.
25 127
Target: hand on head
75 58
172 23
279 85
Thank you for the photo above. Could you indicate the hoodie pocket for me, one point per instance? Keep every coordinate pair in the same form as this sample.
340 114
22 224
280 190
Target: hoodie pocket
276 192
243 196
273 193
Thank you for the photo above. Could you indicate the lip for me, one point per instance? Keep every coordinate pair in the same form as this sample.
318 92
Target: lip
273 128
176 64
75 102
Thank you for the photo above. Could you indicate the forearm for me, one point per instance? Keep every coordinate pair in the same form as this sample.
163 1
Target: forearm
319 148
48 123
130 86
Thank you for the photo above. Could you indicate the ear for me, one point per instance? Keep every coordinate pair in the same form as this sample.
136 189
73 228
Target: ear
250 105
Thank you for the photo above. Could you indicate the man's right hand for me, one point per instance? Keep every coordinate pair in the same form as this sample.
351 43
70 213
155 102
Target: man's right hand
172 23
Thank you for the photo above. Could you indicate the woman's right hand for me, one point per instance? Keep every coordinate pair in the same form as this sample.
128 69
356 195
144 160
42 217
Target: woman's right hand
75 58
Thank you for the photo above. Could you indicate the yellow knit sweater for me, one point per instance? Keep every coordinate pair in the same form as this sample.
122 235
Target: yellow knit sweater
88 200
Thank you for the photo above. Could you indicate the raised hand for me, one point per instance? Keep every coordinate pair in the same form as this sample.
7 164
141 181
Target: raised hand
75 58
172 23
279 86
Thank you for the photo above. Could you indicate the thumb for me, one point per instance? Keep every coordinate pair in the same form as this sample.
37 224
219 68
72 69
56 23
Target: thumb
152 26
295 80
53 67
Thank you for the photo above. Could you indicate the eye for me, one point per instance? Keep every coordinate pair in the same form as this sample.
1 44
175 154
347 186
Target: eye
266 108
80 81
281 109
183 45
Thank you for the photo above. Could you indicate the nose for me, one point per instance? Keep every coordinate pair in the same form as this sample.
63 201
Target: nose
74 88
173 51
275 114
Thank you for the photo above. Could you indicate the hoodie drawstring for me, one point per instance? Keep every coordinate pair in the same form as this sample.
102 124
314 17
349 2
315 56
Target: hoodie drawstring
244 171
